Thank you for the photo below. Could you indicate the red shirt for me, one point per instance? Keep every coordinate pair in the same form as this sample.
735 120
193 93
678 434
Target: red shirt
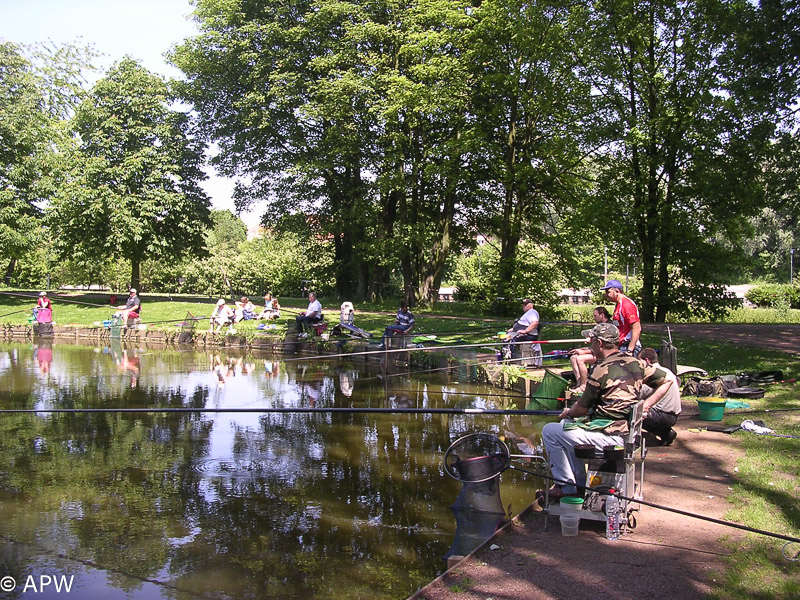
625 315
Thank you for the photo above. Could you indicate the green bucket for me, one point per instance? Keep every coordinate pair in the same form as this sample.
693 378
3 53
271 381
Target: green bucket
711 409
549 391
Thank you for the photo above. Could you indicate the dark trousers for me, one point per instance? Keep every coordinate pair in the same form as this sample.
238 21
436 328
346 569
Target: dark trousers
303 320
659 423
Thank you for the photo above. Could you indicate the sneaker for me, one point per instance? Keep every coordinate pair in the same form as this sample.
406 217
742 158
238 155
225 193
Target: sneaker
669 438
381 346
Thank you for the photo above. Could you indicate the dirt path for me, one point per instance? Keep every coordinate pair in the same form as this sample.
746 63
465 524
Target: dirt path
776 337
667 556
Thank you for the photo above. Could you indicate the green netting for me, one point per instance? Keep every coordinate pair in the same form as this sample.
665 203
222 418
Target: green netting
549 391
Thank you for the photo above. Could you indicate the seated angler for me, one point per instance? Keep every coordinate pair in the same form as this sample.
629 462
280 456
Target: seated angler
582 358
524 329
612 390
221 315
403 323
131 309
313 313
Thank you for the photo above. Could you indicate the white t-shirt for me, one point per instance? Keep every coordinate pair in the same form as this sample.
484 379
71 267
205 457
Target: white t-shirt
671 402
531 316
314 309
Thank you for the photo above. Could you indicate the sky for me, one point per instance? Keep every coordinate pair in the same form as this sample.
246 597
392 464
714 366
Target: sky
141 29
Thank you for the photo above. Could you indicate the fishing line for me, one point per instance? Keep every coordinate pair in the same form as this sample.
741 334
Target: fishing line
289 409
669 509
95 565
15 312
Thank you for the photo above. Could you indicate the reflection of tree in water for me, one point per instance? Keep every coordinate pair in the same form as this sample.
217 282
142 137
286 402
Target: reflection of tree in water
299 503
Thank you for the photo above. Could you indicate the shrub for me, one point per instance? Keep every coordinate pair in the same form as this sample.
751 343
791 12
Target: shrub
775 295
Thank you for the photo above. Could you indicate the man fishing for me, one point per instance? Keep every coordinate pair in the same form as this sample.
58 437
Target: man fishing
313 313
524 329
131 308
612 390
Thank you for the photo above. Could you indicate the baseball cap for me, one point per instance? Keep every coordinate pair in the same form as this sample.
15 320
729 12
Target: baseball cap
220 302
43 293
132 290
612 283
605 332
526 301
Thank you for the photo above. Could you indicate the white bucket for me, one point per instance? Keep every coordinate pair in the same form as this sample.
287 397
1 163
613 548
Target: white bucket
569 524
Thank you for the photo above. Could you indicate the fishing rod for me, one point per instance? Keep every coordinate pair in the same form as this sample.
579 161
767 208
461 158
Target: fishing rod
15 312
434 348
499 459
291 409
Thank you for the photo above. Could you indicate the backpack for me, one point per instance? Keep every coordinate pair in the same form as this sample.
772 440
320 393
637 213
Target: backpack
713 386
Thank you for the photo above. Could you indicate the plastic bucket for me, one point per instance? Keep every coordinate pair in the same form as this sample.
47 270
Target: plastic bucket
569 524
571 503
711 409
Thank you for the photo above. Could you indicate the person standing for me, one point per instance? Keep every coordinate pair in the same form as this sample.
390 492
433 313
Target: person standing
313 313
660 417
625 317
403 323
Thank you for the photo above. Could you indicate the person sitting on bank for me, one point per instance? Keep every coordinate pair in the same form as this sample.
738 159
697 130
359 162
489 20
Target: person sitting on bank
582 358
245 310
612 390
43 313
271 308
221 315
403 323
313 313
131 308
524 329
660 417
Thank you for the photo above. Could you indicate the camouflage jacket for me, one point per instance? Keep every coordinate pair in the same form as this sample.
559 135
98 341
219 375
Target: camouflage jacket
615 385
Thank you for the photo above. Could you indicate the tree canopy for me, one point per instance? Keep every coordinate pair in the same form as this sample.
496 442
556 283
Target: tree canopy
132 186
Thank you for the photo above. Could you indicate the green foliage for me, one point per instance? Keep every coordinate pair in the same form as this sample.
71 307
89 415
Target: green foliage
775 296
132 187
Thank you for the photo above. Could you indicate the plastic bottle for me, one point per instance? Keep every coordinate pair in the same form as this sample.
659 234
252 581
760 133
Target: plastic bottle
612 517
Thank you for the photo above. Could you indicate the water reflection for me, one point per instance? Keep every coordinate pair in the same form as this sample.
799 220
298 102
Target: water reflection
229 505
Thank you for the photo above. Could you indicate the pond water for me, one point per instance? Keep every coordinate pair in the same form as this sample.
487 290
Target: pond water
229 505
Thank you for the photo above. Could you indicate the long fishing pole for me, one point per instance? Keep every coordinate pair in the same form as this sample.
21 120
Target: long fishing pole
667 508
15 312
432 348
289 409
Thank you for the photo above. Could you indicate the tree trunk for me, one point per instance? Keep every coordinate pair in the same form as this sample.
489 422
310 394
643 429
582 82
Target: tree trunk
12 264
135 277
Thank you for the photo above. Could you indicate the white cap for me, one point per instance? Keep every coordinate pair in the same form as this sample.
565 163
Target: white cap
220 302
132 290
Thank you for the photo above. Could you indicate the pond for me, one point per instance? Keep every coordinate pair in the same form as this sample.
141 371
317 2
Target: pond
232 505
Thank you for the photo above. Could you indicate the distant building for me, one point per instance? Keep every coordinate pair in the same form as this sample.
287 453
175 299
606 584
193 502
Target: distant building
575 296
447 294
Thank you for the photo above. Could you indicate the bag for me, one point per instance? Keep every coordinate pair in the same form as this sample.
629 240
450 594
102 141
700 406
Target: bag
713 387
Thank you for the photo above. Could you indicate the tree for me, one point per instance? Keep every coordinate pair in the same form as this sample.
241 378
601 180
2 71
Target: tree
132 189
531 122
37 93
685 141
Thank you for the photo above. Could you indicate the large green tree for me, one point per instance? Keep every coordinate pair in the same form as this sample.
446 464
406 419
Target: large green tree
132 189
38 89
685 140
348 113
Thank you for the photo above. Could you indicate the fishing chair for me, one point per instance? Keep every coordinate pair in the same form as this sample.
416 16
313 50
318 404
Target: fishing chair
399 340
612 467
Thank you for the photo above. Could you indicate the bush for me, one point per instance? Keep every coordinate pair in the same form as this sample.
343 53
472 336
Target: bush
775 295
